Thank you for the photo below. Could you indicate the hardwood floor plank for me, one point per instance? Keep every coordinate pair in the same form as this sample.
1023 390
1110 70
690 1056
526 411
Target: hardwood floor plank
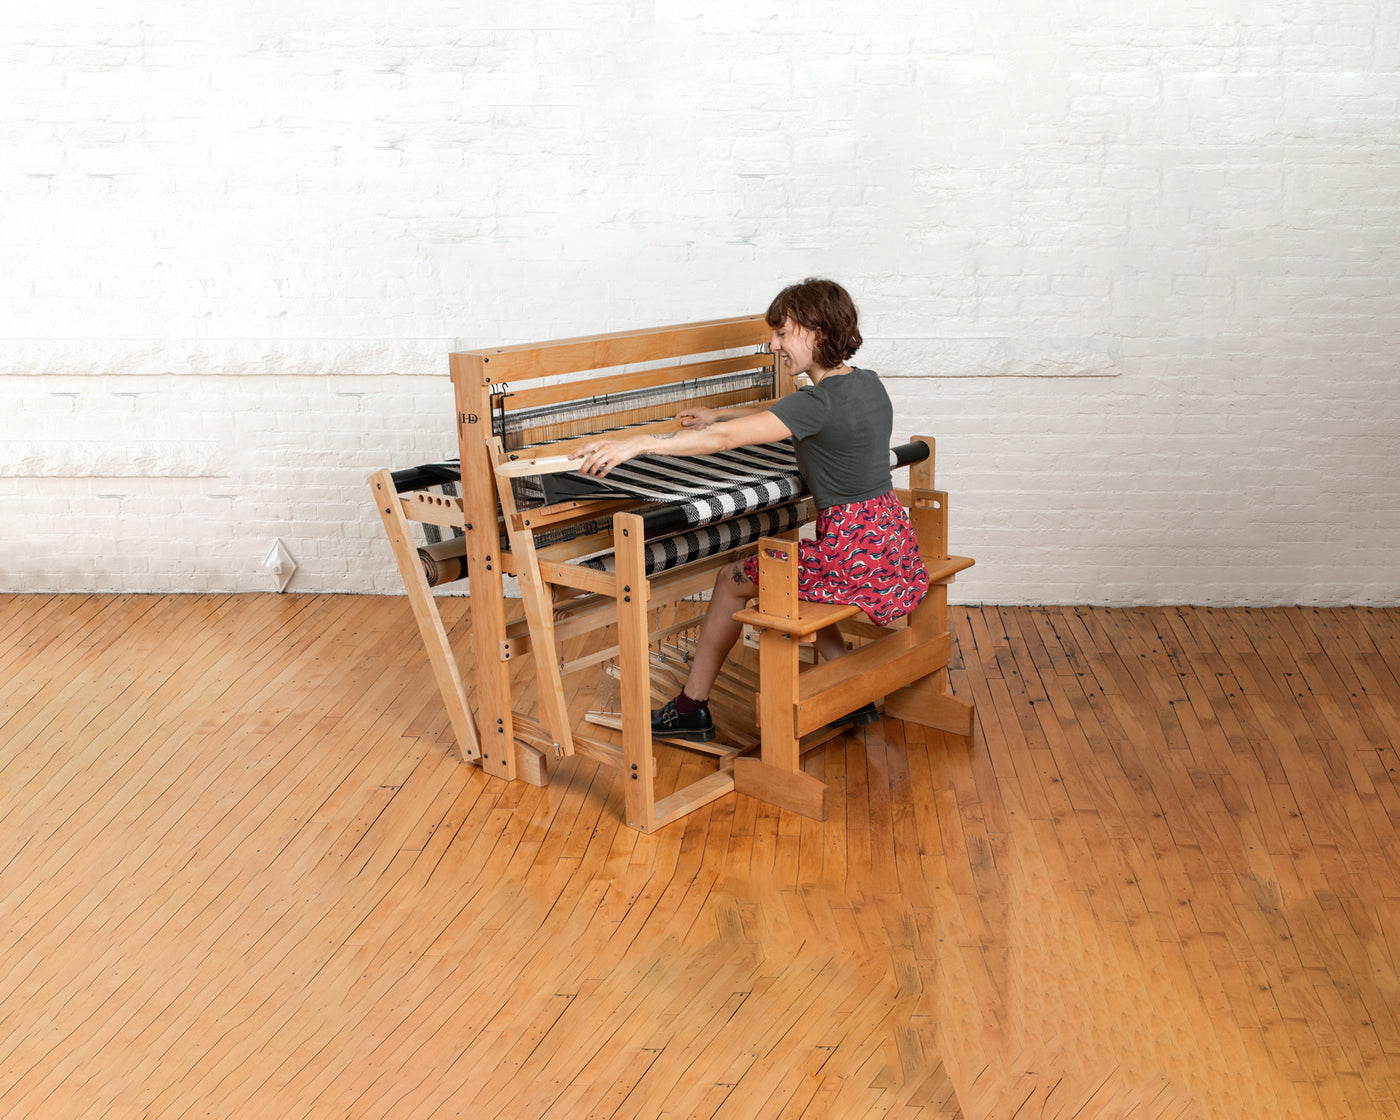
247 874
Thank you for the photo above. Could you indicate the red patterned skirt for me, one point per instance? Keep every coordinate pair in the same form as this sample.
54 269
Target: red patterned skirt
864 553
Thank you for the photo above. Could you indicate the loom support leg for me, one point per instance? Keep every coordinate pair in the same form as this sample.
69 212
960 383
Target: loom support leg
531 765
787 789
929 703
778 777
425 613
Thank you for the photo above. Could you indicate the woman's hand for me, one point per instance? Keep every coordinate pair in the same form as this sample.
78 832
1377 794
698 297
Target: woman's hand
600 456
698 418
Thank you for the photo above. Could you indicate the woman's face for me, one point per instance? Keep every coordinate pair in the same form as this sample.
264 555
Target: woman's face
796 344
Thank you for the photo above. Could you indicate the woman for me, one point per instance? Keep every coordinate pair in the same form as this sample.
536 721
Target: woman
864 552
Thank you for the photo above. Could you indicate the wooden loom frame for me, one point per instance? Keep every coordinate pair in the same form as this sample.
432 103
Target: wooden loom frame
563 599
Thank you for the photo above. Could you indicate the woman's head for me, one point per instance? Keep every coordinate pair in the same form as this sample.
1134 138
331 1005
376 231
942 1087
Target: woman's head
825 307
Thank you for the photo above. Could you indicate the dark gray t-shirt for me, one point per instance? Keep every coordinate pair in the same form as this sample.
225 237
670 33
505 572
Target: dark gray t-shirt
841 430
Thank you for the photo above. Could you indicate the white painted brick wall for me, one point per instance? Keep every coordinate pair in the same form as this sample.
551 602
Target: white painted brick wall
1137 269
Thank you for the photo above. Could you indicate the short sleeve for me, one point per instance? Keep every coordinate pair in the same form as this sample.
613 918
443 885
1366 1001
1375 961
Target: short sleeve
804 412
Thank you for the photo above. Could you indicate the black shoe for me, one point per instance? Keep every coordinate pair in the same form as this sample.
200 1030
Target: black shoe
868 714
694 727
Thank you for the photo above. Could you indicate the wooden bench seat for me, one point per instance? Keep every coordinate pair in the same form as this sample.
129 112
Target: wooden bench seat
905 664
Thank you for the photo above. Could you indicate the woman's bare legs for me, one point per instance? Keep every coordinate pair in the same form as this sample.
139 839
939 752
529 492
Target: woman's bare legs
719 631
829 642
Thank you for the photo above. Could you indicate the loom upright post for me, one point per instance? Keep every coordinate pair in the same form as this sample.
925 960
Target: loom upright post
634 665
425 613
484 566
929 701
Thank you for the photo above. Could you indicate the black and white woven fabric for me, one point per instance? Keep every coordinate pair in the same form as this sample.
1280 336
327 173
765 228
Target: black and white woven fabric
705 488
710 540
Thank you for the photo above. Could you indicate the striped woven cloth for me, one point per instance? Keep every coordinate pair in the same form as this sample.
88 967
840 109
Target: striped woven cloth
705 488
710 540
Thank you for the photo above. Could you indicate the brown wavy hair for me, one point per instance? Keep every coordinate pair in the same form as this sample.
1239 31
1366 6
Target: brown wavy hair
825 307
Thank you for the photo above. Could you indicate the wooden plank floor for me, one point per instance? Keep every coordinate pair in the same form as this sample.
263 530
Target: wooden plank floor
244 873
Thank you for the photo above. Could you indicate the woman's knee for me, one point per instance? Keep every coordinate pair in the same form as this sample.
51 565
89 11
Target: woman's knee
731 580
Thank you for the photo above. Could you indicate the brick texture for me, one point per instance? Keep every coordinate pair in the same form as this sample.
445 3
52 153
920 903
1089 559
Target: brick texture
1139 273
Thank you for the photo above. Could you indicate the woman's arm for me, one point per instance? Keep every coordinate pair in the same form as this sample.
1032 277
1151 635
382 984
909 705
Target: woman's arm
701 417
601 456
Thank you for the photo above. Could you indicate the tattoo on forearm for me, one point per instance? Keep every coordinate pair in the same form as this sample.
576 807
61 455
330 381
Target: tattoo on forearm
664 435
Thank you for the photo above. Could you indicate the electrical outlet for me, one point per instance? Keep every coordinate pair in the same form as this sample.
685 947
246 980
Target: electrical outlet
279 564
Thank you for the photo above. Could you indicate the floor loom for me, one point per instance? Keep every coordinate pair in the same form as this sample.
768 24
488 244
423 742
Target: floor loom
593 564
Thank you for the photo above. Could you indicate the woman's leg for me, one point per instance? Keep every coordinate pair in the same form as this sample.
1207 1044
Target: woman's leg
829 642
718 630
